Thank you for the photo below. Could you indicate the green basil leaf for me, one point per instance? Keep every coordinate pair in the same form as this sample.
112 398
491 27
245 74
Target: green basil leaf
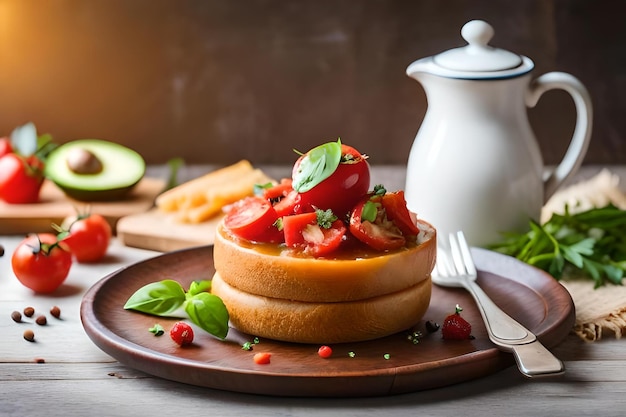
209 313
317 165
161 298
197 287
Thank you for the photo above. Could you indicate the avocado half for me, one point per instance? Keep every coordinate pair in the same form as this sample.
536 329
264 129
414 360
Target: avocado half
119 170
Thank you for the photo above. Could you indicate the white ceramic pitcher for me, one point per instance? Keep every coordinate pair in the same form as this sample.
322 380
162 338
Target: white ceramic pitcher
475 164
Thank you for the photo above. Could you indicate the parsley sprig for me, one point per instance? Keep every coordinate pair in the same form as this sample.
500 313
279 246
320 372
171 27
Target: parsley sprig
590 243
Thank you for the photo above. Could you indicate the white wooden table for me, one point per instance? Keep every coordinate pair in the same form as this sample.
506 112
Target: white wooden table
75 378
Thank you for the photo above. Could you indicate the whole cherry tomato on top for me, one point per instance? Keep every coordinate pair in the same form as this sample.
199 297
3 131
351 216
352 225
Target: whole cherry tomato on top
41 263
86 236
331 176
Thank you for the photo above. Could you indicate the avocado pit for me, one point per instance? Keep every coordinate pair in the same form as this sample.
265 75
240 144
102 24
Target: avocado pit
83 162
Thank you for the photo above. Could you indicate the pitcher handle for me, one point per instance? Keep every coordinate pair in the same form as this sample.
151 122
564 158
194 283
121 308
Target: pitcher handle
582 132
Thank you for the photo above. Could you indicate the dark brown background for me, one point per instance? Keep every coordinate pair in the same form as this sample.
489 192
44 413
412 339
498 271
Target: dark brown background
215 81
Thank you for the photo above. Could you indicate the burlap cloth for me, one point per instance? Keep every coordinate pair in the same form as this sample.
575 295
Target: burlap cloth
603 309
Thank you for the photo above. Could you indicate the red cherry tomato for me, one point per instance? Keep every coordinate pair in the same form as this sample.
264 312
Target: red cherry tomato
87 237
325 352
343 189
395 207
40 263
252 218
5 146
182 333
262 358
20 179
380 234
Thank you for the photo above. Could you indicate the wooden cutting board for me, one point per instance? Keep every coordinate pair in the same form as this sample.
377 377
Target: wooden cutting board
160 231
54 206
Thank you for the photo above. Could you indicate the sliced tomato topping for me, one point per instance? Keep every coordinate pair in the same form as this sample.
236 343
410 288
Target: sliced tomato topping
294 225
396 210
321 241
279 190
288 205
251 218
381 233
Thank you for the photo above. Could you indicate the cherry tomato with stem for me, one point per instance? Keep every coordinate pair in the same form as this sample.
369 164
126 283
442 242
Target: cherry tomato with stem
41 263
87 236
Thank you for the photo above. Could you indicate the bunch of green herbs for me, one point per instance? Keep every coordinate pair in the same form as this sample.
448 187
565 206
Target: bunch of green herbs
589 243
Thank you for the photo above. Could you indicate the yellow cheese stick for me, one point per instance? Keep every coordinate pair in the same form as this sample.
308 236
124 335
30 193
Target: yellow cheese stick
192 193
218 197
204 197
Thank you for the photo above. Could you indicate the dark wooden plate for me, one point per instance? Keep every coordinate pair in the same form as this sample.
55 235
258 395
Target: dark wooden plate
386 366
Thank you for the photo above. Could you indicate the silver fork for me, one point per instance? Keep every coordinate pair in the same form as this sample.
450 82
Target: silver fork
455 268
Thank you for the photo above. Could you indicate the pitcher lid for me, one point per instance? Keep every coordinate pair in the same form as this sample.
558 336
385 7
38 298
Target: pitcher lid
479 57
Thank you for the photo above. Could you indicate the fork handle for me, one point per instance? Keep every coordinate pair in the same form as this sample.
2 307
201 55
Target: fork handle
534 360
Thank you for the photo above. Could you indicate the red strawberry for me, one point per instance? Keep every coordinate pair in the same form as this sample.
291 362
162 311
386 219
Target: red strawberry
456 327
181 333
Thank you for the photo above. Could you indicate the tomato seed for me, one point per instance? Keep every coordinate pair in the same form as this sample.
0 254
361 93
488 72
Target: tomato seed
41 320
29 335
16 316
29 311
55 312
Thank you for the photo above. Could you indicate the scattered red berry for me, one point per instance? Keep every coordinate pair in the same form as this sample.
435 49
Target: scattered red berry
456 327
262 358
325 351
181 333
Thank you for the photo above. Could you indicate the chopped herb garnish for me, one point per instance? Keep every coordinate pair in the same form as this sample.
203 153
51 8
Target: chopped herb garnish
380 189
325 218
386 356
351 354
157 329
250 345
